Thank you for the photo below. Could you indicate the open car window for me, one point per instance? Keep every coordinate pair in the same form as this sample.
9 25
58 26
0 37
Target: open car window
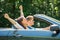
40 23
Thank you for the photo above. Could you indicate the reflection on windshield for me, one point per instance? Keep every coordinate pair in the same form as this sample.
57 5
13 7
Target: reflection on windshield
38 24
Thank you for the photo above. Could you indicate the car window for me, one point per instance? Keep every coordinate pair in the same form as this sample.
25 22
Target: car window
39 23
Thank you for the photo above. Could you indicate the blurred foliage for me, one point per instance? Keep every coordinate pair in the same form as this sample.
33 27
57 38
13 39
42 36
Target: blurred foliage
31 7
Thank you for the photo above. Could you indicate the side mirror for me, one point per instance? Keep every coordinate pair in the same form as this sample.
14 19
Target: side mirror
55 29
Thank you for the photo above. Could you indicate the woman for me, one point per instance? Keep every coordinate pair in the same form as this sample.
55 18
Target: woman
21 20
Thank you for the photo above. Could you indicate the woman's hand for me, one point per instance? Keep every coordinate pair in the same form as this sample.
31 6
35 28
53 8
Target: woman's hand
6 16
20 7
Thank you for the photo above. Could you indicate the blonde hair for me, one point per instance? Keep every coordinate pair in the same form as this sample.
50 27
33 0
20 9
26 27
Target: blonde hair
29 18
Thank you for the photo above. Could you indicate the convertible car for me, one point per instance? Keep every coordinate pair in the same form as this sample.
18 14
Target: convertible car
54 31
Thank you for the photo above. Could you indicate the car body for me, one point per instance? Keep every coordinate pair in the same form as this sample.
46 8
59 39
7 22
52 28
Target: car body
36 32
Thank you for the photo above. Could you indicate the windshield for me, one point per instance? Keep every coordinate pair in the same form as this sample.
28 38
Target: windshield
47 17
39 23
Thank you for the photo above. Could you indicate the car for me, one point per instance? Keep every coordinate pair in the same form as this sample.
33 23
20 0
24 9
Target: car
54 32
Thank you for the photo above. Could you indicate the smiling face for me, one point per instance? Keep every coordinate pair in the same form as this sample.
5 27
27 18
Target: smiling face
30 20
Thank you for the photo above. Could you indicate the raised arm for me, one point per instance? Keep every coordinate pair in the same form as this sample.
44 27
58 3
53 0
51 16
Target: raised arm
21 10
12 21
